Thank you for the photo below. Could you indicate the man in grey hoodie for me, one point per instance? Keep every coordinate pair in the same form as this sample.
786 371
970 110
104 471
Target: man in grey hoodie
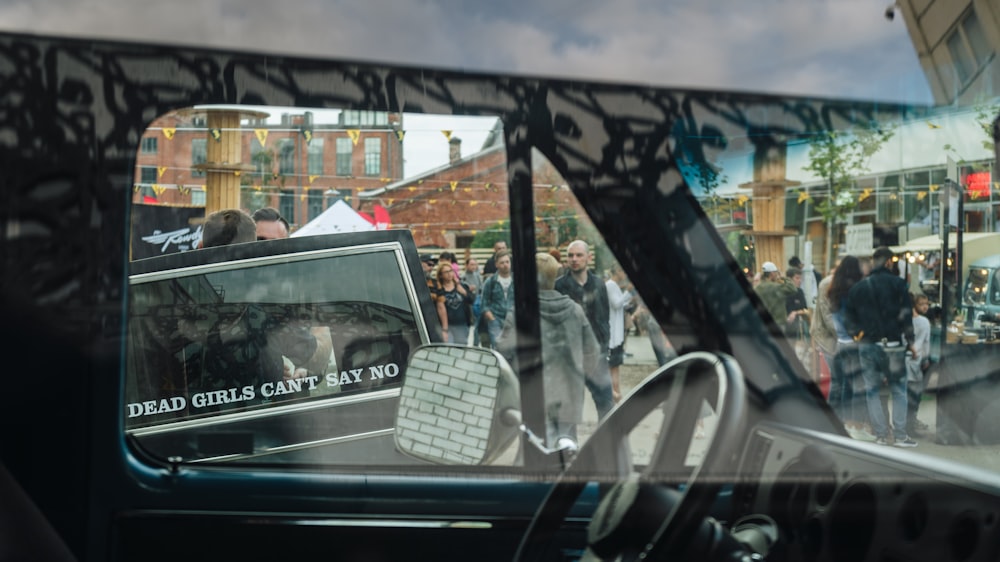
569 353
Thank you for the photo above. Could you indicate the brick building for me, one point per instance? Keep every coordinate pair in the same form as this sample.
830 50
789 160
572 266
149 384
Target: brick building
446 207
296 166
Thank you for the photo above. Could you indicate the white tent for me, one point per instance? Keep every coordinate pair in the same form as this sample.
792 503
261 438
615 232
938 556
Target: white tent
340 217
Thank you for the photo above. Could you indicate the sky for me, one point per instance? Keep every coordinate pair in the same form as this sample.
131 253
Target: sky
828 48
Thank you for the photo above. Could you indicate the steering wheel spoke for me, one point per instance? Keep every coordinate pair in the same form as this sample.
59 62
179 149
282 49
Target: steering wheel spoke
640 516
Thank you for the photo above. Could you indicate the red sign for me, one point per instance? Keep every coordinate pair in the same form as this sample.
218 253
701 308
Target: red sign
978 185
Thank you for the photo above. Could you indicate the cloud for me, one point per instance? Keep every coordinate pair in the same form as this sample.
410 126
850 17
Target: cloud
820 47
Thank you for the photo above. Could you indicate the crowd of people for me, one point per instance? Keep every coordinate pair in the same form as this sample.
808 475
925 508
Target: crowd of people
583 317
868 332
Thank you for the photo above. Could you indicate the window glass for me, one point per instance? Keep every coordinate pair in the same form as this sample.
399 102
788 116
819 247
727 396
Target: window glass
315 162
294 350
344 150
199 155
373 157
148 145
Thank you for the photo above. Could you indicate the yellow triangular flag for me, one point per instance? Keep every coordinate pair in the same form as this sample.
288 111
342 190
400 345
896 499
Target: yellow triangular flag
454 184
355 134
169 132
446 133
261 135
160 171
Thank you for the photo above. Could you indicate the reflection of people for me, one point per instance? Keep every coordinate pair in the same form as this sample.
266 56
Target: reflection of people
879 314
228 226
569 353
773 292
590 293
491 264
498 297
270 224
917 367
617 301
457 298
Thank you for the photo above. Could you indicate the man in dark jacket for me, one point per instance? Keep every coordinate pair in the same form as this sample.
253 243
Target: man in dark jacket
590 293
878 314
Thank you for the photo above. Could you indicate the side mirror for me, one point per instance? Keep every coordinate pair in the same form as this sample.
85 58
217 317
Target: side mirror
453 403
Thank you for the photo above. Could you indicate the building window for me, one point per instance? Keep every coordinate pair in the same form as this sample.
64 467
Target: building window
355 118
286 205
199 155
315 157
373 157
147 174
344 149
968 47
198 197
286 157
315 203
148 145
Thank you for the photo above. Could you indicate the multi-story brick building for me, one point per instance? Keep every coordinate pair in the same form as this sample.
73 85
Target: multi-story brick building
297 166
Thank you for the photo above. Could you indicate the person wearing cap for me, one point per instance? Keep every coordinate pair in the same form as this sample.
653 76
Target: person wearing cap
773 291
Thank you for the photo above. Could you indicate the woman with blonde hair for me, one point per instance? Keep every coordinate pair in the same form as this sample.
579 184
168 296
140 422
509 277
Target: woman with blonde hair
457 303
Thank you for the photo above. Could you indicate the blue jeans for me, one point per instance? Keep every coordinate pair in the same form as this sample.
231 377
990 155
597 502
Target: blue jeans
878 363
494 328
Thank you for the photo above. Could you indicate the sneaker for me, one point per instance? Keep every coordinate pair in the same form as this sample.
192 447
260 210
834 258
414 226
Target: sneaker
859 434
882 441
905 443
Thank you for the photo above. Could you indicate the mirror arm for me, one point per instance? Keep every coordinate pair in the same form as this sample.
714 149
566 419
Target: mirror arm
564 444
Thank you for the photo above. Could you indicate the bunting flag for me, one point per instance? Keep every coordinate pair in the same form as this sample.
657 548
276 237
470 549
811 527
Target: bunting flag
261 135
400 135
454 184
169 132
803 196
865 194
308 135
355 134
446 133
160 171
216 134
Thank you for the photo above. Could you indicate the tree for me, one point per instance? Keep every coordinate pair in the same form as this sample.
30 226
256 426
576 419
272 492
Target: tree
838 158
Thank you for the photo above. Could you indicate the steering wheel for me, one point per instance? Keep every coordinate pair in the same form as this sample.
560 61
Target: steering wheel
672 517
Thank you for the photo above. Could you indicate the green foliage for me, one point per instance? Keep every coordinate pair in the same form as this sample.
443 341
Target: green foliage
839 158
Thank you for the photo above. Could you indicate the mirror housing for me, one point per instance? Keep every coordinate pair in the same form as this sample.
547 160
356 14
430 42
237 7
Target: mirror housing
452 403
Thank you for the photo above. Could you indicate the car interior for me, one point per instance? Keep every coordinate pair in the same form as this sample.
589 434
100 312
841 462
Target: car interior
405 446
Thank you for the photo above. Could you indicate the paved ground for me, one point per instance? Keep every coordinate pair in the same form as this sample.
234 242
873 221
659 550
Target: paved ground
640 363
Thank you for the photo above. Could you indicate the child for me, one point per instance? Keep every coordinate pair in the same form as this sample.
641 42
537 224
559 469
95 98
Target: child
916 367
